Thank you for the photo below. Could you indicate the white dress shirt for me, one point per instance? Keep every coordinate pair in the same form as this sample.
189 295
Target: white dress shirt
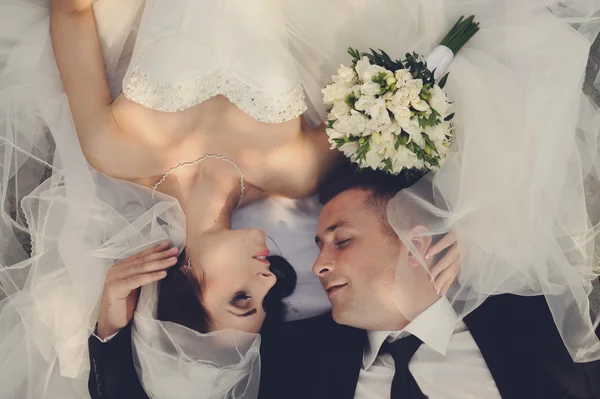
448 365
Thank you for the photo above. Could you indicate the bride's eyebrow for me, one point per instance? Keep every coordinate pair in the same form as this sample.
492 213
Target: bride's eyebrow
249 313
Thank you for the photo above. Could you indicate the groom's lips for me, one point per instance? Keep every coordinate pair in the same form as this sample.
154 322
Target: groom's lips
334 288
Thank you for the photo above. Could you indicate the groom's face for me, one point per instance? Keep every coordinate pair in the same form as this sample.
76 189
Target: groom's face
357 260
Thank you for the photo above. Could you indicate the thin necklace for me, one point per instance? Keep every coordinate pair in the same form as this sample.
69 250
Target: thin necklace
196 162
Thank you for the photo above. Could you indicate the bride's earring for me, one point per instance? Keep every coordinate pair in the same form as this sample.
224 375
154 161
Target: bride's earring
187 268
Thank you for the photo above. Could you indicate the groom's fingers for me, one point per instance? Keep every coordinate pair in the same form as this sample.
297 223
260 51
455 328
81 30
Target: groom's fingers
448 259
446 241
140 255
145 264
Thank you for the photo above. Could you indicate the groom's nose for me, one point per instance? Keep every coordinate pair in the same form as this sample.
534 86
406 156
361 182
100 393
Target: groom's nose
323 265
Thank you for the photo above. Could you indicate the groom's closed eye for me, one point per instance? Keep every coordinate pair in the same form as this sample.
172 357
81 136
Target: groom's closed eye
342 243
328 231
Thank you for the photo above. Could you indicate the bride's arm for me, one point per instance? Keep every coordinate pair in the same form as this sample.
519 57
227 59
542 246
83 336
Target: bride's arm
79 59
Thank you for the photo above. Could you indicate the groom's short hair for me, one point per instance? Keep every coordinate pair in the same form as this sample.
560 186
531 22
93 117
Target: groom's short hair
380 186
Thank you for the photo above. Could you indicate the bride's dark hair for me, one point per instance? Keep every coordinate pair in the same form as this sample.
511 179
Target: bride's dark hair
180 296
180 299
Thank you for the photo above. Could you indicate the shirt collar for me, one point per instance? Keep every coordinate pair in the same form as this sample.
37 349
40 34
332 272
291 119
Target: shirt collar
434 327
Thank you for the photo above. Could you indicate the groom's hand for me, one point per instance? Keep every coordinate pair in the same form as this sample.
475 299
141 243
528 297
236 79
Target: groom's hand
444 272
123 282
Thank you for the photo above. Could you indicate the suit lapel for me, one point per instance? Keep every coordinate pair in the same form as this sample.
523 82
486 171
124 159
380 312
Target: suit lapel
504 354
340 366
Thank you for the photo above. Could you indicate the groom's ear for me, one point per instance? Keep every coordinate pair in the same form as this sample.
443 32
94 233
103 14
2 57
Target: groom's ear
421 239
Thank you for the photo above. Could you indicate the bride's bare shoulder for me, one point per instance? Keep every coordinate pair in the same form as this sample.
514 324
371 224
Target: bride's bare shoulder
300 166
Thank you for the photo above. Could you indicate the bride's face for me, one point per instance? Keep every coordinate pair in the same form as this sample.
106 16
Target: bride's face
233 277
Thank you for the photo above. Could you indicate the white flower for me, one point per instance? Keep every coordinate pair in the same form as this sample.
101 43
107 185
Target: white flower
359 124
420 105
414 132
370 89
373 159
380 117
340 108
438 133
333 134
402 76
365 103
388 95
354 124
335 92
349 150
403 158
361 67
414 88
372 71
346 76
343 125
392 130
401 114
400 98
439 101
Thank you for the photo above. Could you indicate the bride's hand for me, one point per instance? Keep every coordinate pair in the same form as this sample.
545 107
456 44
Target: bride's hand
444 272
123 281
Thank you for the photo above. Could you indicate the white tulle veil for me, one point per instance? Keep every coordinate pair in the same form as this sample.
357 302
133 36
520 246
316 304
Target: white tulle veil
520 185
513 187
80 222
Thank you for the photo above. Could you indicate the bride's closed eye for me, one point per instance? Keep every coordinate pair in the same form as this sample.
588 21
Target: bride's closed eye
241 300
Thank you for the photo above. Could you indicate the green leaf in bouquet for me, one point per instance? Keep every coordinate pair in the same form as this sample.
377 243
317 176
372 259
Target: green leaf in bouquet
430 143
378 58
388 166
340 141
423 156
330 123
351 99
389 64
431 120
364 145
401 140
443 80
449 117
425 94
355 54
418 68
380 79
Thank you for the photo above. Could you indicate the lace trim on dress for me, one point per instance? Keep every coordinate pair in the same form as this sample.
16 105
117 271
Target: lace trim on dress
168 97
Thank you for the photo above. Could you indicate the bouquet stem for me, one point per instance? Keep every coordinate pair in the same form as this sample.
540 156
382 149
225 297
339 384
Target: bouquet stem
461 33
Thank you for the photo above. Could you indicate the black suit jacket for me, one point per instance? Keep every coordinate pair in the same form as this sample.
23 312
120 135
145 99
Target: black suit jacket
317 358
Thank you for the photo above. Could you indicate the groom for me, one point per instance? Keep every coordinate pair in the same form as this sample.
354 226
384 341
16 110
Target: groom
365 349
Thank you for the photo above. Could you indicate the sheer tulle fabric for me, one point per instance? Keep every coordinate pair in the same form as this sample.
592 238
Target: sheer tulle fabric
520 182
523 163
512 188
80 222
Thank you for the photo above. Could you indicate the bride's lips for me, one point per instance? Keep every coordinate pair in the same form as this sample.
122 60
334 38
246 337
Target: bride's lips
335 288
262 256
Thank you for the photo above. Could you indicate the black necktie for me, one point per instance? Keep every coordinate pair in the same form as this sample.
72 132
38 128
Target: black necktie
402 350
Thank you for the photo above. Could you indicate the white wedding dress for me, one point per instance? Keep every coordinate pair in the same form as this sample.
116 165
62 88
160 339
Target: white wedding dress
526 139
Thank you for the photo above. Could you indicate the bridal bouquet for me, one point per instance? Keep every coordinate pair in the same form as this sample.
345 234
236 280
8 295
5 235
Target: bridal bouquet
394 115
